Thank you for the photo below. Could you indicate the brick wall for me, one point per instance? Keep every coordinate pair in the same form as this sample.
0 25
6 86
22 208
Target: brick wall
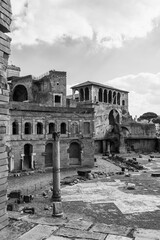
5 20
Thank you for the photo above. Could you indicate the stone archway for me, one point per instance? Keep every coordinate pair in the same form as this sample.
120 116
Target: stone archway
75 153
20 93
28 150
114 117
49 155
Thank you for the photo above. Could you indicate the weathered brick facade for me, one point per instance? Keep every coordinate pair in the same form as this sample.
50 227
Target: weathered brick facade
5 20
37 108
115 130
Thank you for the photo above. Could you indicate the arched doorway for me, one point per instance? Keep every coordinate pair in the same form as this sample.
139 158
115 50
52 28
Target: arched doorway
28 150
113 117
49 155
20 93
75 153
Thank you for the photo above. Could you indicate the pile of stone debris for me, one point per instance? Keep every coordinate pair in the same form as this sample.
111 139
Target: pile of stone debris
85 175
130 164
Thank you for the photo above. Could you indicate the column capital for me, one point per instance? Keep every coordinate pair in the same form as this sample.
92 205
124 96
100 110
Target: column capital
56 136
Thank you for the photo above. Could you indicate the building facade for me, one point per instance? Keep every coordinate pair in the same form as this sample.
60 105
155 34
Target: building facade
38 108
115 130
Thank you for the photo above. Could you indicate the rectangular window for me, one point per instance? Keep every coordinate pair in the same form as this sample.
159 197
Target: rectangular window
57 99
86 127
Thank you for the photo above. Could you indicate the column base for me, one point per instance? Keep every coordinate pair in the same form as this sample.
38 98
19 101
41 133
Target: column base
57 209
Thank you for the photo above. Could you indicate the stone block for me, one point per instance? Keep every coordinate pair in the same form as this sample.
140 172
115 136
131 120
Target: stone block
73 233
38 232
57 209
111 229
146 234
78 224
131 186
113 237
57 238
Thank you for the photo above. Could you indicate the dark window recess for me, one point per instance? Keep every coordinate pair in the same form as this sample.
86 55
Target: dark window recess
63 128
27 129
51 128
57 99
39 128
15 128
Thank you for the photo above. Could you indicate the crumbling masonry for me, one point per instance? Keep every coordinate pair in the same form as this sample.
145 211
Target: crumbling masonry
5 21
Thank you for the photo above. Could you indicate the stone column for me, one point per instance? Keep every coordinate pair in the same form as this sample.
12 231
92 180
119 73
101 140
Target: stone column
73 94
104 146
108 147
11 163
32 161
22 160
69 128
56 197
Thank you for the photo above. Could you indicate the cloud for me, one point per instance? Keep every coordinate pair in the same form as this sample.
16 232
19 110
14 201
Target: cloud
143 92
113 21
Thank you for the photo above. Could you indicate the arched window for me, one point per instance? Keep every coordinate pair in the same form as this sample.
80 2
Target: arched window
105 96
15 128
63 128
114 97
100 95
86 93
27 128
123 102
39 128
81 95
118 98
20 93
113 117
51 128
110 96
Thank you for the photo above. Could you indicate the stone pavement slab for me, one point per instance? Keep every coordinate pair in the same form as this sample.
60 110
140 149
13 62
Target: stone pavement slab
114 237
78 224
112 229
73 233
46 220
145 234
39 232
58 238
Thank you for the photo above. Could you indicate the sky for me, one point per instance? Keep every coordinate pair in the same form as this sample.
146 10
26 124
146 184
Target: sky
113 42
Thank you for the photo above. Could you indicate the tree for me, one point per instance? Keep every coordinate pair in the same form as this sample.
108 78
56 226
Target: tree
147 116
156 120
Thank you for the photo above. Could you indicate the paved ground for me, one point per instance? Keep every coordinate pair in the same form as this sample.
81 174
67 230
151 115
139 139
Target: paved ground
95 209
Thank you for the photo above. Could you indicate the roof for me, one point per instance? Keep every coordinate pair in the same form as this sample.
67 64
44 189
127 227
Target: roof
88 83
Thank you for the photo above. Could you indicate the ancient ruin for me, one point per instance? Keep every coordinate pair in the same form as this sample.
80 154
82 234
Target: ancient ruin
115 130
38 108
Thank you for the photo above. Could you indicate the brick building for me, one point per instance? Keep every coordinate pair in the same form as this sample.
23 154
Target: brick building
37 108
115 130
5 21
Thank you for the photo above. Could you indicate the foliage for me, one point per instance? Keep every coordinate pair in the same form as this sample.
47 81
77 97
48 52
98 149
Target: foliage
147 116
